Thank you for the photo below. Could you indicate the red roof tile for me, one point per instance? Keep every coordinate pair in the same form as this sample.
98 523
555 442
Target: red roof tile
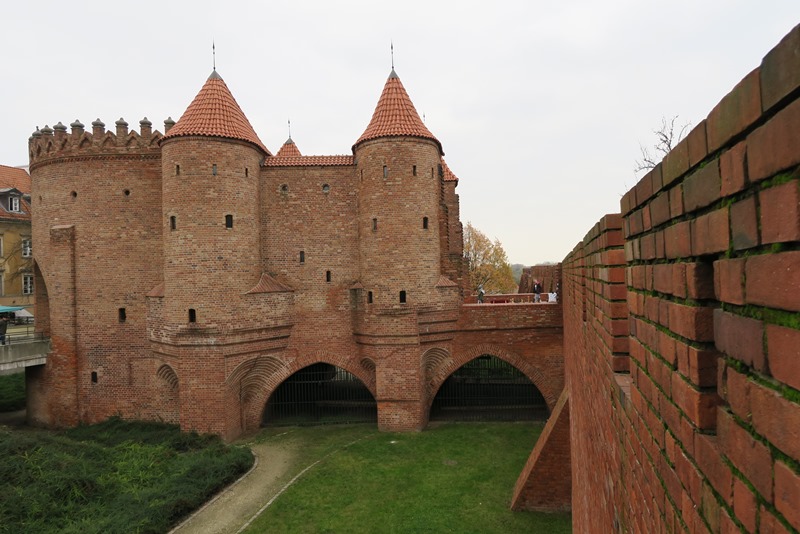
395 115
215 113
289 149
16 178
267 284
308 161
445 282
448 174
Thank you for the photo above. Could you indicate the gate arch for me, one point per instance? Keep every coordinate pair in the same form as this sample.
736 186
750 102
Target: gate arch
321 393
546 387
251 384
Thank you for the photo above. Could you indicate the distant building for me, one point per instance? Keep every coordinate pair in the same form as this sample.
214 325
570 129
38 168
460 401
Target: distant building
16 258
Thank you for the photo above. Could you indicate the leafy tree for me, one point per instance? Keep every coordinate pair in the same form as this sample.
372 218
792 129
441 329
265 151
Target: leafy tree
488 263
666 138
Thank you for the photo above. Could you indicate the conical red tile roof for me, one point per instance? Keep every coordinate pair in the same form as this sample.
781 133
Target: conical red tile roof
395 115
215 113
448 174
289 150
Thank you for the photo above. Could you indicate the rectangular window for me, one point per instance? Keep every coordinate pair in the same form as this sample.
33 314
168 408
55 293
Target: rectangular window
2 254
214 169
123 316
369 297
13 203
414 170
327 276
302 256
26 248
192 315
27 284
229 221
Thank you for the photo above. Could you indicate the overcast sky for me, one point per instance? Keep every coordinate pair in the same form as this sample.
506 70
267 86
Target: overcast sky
540 106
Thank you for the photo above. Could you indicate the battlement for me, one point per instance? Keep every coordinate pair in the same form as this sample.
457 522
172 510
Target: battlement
48 145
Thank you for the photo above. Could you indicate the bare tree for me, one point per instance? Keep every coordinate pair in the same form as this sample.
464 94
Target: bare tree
666 138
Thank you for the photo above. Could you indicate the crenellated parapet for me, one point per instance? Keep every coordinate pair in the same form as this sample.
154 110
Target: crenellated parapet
49 145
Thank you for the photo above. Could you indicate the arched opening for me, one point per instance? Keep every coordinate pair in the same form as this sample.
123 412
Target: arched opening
320 394
488 389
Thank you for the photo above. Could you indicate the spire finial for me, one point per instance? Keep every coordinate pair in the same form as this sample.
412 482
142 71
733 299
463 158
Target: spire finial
391 46
214 54
289 122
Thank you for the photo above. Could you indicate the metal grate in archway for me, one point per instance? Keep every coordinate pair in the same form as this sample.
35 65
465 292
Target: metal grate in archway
321 394
488 389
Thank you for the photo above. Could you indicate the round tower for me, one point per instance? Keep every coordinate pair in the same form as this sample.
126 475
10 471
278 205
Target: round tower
210 165
399 168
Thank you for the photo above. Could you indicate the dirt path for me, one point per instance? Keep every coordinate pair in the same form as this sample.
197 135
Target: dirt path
232 508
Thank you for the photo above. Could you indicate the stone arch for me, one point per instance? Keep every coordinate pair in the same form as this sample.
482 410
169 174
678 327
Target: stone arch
434 362
369 367
549 391
252 382
168 375
167 394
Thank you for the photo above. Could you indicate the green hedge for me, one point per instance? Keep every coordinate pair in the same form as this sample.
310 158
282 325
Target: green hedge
112 477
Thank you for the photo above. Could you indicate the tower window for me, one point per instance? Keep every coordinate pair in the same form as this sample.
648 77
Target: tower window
246 172
385 171
229 221
192 315
374 225
177 170
214 169
369 297
326 188
403 297
173 222
94 377
424 223
302 256
414 170
122 315
327 276
284 188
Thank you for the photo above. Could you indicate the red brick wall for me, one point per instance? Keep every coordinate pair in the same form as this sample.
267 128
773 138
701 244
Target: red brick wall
103 204
548 275
96 198
698 429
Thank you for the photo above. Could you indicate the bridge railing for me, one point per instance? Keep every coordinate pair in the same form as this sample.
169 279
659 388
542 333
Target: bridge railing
509 298
17 337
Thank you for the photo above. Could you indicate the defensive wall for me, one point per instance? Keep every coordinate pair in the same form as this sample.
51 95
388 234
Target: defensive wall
184 276
682 333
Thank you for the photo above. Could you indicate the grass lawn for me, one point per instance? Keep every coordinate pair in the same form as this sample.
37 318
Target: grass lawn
12 392
111 477
450 478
